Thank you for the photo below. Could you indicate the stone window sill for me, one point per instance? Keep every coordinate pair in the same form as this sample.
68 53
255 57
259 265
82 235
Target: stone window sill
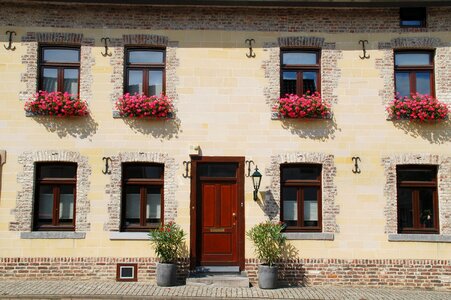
129 236
435 238
309 236
52 235
276 116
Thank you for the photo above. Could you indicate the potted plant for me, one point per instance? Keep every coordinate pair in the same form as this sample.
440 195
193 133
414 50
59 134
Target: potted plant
56 104
268 243
168 240
305 106
417 107
140 106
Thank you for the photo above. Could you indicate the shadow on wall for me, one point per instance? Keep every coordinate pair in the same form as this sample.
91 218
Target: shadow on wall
269 206
434 132
291 271
81 127
315 129
158 128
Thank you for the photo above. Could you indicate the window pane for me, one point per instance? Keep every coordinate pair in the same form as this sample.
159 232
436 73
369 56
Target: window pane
57 171
155 82
50 80
153 205
301 173
71 81
132 204
426 208
61 55
66 209
299 58
290 206
310 206
402 84
143 171
405 208
145 57
45 213
416 174
135 82
412 59
217 170
309 81
423 83
289 83
416 23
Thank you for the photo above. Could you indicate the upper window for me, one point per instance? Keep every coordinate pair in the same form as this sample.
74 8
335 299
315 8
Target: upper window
417 199
142 196
414 72
145 71
412 16
55 196
301 197
59 69
300 72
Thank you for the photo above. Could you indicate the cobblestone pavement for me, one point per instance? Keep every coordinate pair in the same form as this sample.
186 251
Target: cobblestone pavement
136 290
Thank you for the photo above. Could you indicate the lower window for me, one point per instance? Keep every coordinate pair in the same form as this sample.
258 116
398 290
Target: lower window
55 196
417 199
301 197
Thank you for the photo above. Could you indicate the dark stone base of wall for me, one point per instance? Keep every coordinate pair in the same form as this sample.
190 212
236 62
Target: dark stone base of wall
407 273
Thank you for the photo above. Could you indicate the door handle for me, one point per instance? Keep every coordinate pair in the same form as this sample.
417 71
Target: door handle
234 215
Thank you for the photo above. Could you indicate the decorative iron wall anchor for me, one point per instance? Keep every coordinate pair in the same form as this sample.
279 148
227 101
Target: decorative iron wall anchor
364 49
106 40
251 53
249 163
107 165
356 169
187 165
10 45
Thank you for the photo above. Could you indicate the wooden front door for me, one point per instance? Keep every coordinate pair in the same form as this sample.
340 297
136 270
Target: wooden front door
218 212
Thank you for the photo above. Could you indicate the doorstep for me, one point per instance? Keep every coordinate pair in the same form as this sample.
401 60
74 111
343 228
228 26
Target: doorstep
218 276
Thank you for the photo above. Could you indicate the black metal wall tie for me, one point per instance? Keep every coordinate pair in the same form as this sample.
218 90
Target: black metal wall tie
249 163
251 53
107 165
187 165
106 40
356 169
364 49
10 45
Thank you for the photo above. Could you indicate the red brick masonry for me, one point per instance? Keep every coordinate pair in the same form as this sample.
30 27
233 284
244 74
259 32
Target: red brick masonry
412 273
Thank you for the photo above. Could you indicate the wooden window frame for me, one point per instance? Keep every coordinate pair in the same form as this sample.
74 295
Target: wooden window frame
55 183
143 183
413 69
300 185
60 66
300 69
135 272
145 68
416 187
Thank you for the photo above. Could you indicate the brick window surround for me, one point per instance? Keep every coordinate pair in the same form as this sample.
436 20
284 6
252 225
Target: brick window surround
443 189
32 40
115 192
24 202
329 191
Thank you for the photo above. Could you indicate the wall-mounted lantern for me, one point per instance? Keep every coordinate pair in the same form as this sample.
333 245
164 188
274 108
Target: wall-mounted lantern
256 180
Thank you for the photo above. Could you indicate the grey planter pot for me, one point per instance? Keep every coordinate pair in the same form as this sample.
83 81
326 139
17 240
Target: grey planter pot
267 277
166 274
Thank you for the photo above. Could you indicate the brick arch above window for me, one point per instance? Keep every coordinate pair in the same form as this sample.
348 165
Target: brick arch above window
329 190
114 189
32 40
24 201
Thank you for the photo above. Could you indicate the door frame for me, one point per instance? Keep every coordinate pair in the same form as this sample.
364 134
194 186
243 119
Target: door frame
195 206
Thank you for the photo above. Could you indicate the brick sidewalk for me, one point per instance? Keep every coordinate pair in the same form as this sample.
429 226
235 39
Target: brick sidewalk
123 290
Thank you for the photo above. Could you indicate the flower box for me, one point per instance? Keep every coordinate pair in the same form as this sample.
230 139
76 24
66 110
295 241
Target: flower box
142 106
307 106
417 107
56 104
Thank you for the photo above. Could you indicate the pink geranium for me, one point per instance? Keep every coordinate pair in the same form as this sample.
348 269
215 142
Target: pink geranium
140 105
417 107
305 106
56 104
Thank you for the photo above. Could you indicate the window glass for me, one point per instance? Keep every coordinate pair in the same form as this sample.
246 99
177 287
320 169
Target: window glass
153 205
58 171
45 203
300 173
416 174
290 206
155 83
412 59
145 57
299 58
426 208
135 82
310 206
143 171
71 81
309 81
217 170
405 207
50 80
61 55
412 16
289 82
402 84
66 205
423 83
133 200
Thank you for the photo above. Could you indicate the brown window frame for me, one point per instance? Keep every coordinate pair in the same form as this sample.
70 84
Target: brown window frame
56 186
60 66
299 69
145 68
300 185
413 69
416 186
143 183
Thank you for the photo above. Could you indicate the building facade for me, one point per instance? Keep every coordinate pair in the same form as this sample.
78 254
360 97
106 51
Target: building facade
366 198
